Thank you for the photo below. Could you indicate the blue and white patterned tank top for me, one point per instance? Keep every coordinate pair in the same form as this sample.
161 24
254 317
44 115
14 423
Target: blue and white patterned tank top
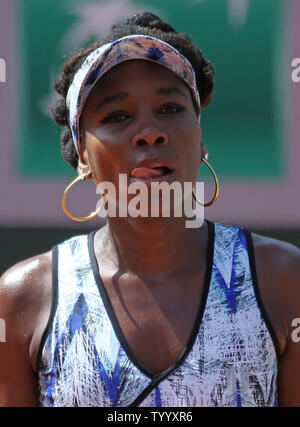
230 358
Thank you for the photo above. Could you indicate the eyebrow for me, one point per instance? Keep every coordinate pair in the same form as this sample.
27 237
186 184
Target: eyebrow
170 90
123 95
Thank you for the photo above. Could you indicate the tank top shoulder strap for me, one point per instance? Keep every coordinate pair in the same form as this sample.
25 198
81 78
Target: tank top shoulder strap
70 265
234 259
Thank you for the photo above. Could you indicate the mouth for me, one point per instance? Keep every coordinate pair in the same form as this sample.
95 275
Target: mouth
155 172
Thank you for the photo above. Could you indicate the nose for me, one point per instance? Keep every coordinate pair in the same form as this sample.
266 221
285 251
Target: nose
149 137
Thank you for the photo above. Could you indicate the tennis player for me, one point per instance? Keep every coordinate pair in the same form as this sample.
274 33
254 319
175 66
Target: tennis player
145 311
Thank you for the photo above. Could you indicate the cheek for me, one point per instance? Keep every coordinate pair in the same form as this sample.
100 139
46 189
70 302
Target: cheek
188 129
189 137
103 158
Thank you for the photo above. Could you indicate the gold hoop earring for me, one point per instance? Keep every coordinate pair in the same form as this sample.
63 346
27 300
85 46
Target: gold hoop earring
92 215
217 190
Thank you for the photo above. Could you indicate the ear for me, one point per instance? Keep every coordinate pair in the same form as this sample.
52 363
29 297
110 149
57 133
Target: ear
204 151
83 167
83 164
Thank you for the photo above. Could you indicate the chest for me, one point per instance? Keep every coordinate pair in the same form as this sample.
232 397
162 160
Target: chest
230 355
154 323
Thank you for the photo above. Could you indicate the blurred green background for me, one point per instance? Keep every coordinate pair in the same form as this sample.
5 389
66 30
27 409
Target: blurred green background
244 128
245 46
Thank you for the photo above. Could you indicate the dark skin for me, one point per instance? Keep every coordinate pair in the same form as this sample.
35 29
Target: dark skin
152 268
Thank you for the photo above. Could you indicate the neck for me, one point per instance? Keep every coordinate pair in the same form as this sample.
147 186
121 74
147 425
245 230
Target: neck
155 247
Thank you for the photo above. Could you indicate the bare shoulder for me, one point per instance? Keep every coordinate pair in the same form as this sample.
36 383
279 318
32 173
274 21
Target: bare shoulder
281 258
22 277
25 292
278 272
24 289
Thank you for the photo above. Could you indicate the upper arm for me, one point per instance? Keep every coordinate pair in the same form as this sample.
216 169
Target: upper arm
278 265
289 363
289 373
19 297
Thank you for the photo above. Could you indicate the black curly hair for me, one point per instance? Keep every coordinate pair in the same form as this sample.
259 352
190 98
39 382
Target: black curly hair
145 23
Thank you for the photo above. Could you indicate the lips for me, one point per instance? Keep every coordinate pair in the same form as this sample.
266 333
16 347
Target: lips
152 170
148 173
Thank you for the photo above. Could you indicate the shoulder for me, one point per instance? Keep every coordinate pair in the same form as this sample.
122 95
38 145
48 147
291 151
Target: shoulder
278 267
278 272
24 294
280 257
21 276
28 280
23 289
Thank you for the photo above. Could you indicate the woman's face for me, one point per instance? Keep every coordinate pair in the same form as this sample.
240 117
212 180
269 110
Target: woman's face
140 112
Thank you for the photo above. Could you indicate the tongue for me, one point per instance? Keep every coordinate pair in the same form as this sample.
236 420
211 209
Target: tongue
147 172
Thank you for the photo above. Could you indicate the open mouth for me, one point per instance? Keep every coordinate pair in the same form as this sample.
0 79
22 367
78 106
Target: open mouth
144 172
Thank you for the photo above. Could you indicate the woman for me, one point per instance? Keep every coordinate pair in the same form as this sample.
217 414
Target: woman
145 311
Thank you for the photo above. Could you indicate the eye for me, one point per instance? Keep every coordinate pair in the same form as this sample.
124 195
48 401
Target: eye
118 116
172 108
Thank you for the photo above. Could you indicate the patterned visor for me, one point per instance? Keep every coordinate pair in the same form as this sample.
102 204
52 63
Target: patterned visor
105 57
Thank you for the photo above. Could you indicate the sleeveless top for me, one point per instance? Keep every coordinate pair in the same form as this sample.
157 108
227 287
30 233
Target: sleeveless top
230 359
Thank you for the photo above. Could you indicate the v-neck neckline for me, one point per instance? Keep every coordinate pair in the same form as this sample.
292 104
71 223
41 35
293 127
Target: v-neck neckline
114 320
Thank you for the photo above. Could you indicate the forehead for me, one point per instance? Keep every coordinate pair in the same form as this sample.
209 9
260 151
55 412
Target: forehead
127 74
